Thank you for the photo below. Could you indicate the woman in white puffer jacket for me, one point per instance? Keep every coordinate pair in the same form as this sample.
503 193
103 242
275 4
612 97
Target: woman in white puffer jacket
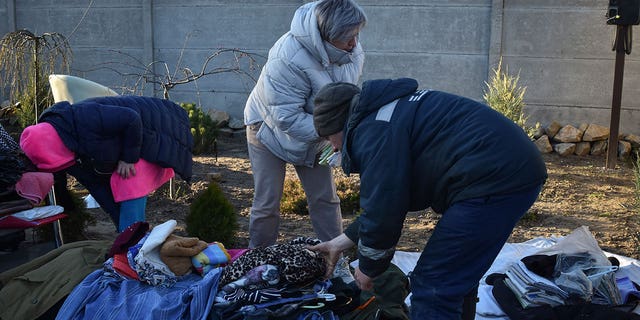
321 47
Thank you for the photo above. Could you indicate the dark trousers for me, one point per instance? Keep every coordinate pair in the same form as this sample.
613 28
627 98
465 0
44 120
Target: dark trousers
461 249
99 186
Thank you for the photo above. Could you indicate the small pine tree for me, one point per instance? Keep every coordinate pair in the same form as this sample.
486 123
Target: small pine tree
203 129
506 96
212 217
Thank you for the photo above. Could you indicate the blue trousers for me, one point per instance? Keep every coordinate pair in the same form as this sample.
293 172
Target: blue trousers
461 249
131 211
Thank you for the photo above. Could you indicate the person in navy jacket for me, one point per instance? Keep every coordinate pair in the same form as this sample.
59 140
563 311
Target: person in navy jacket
418 149
120 148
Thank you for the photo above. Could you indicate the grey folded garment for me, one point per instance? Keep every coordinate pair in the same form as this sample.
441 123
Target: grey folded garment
13 206
532 289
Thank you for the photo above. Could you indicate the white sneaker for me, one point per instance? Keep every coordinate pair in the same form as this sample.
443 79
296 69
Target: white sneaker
343 271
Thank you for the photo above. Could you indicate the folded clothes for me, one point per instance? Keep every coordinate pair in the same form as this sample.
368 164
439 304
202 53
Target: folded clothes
13 206
213 256
38 213
121 265
128 237
176 253
34 186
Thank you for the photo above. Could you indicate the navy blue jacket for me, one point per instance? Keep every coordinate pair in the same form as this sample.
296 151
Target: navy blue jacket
427 149
103 130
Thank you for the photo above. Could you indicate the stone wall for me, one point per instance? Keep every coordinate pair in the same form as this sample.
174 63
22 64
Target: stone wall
587 139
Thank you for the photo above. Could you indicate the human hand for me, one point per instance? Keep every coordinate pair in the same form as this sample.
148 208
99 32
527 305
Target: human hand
125 170
363 281
332 251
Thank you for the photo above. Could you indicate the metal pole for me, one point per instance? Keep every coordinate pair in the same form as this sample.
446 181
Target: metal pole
612 148
57 228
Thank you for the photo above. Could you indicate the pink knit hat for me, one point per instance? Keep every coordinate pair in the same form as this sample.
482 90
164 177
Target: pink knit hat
42 144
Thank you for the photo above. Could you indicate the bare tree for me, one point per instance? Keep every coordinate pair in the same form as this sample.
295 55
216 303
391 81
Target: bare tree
25 60
236 61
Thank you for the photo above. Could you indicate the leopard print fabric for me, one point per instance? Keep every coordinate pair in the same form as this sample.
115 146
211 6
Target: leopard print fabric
296 263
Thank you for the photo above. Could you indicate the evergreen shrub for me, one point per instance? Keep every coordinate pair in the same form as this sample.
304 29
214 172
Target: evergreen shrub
505 95
294 200
203 129
212 217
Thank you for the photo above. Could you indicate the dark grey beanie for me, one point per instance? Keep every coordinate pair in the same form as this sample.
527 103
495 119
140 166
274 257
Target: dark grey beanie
332 104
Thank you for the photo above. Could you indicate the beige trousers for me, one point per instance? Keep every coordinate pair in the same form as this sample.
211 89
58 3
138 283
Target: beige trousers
268 176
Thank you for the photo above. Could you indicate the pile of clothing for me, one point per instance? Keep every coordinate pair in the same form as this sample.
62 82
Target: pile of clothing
572 280
150 274
155 274
22 188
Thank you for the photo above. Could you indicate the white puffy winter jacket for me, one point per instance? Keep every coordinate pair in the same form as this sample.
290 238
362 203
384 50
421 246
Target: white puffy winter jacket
282 100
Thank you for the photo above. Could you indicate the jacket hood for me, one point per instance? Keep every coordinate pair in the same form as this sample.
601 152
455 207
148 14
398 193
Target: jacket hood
377 93
304 27
374 95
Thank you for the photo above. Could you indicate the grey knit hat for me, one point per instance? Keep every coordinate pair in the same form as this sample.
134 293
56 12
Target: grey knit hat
332 104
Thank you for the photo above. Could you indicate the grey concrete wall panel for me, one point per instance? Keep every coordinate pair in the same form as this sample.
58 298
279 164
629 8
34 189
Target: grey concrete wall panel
246 3
571 88
6 16
545 114
563 53
95 34
228 26
107 27
439 29
78 3
115 69
540 33
630 86
423 3
436 72
551 4
564 82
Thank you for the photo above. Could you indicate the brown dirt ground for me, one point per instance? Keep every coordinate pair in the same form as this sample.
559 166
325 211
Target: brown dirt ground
579 191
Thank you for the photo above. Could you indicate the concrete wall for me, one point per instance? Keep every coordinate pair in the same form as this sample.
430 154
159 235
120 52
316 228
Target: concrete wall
561 49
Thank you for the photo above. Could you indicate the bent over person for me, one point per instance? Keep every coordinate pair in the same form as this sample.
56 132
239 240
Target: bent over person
120 148
416 149
321 47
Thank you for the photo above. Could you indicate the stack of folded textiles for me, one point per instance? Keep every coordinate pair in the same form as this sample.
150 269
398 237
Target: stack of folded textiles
531 289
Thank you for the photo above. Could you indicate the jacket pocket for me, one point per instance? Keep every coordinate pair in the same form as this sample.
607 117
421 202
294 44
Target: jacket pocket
284 146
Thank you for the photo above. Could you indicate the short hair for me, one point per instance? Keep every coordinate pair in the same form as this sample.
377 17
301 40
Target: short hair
338 18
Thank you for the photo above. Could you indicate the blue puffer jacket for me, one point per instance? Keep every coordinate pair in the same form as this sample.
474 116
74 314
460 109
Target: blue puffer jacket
416 149
107 129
